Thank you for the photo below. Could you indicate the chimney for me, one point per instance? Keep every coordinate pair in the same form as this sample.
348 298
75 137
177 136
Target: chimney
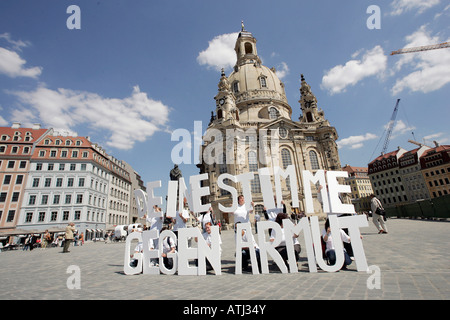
36 126
436 143
15 125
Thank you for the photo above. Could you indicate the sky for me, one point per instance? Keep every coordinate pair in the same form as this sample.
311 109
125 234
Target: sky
129 73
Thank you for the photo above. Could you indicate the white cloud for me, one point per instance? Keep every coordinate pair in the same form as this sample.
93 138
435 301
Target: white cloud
400 127
12 65
438 137
3 122
431 67
282 71
355 142
124 121
400 6
17 45
338 78
220 52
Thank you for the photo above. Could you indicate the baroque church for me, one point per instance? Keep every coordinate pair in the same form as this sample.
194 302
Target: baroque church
253 97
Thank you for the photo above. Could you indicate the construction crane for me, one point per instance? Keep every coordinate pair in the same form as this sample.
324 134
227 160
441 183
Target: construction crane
390 127
422 48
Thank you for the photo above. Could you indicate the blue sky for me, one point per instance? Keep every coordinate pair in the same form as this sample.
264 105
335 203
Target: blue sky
137 70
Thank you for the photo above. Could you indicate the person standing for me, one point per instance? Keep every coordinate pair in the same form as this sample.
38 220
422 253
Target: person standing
70 229
47 239
377 214
242 214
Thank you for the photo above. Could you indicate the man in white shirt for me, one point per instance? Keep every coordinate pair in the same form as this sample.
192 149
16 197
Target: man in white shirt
330 250
206 217
180 220
242 214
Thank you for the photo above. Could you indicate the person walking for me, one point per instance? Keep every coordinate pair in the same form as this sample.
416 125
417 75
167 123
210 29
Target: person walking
378 214
70 229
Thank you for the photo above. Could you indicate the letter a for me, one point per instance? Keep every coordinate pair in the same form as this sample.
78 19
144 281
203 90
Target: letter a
74 21
374 21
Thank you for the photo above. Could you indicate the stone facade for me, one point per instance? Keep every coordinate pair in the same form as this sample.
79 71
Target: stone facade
251 103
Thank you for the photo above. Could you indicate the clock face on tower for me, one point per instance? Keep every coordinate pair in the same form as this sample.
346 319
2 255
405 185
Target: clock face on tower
221 101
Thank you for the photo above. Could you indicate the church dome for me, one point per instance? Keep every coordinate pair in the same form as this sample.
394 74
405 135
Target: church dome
253 83
253 80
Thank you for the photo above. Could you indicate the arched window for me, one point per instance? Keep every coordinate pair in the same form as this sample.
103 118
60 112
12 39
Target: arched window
223 165
253 167
273 113
263 82
286 161
314 160
248 48
236 86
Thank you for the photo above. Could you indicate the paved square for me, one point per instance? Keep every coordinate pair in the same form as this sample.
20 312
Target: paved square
412 259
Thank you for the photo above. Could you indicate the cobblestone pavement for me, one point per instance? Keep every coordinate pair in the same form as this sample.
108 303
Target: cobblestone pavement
412 259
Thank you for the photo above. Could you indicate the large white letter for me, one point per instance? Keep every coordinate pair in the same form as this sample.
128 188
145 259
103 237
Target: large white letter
212 254
269 247
353 223
337 242
307 178
198 192
290 172
334 189
248 244
244 179
174 256
152 200
127 269
141 202
185 253
266 187
172 199
149 252
289 230
230 189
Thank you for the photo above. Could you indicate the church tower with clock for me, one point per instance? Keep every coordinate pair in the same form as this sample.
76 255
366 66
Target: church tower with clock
252 98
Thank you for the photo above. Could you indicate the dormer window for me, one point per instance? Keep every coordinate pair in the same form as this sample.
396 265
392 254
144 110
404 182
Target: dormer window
273 113
263 82
236 86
